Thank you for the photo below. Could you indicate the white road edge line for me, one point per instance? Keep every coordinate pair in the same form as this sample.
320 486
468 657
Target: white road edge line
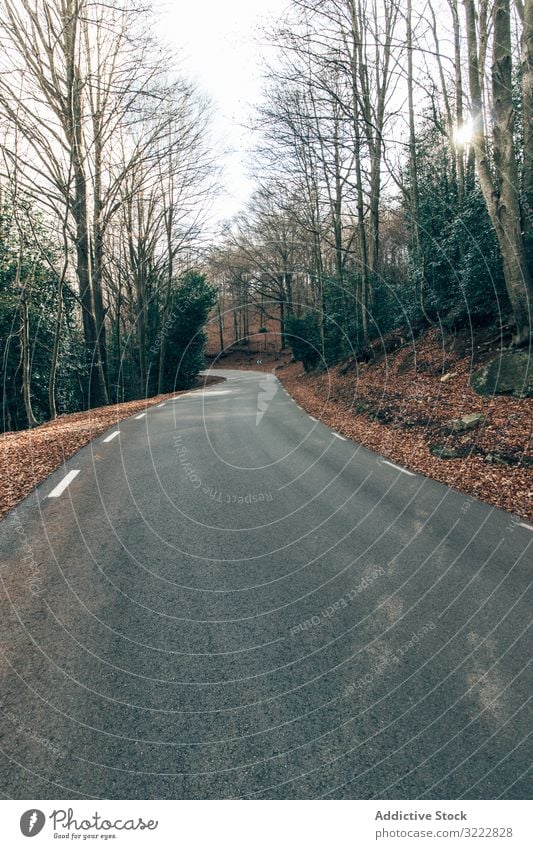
61 487
313 419
161 405
398 468
524 525
339 436
112 436
141 416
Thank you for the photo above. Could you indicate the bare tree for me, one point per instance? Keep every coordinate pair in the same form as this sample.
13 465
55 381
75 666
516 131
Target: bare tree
76 74
526 13
501 190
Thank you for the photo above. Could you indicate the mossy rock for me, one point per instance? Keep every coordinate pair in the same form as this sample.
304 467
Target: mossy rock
511 373
445 452
466 423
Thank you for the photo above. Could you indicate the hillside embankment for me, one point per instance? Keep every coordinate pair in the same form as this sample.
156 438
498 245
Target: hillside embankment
411 400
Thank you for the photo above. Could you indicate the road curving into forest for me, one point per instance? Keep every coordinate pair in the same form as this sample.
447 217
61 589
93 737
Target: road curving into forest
222 598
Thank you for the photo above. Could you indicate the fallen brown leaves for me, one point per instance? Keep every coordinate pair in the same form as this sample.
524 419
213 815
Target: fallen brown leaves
29 456
398 406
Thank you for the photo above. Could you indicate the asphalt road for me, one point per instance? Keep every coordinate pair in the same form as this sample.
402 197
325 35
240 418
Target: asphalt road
228 600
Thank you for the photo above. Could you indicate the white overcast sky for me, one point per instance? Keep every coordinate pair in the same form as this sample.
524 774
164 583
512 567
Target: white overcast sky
218 40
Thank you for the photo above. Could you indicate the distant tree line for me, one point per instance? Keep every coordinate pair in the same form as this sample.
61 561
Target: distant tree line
105 173
395 174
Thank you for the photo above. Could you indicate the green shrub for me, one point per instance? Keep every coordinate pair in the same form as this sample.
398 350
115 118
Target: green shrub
191 303
303 336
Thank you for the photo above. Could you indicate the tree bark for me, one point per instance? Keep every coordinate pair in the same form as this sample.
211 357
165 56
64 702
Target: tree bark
459 101
501 193
418 257
26 359
527 123
74 132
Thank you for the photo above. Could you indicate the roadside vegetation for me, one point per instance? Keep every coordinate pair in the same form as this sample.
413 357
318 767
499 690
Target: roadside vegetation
394 176
414 406
106 172
392 215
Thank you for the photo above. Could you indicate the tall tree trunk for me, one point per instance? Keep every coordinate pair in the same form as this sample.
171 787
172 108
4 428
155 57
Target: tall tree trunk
59 318
362 285
74 131
98 257
97 388
165 314
141 327
220 323
163 344
459 110
26 360
418 258
501 194
337 208
55 351
118 343
527 122
288 278
95 98
374 210
25 343
507 196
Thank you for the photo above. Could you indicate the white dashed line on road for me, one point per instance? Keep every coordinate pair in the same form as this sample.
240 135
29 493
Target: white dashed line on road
398 468
524 525
161 405
338 436
313 419
61 487
141 416
112 436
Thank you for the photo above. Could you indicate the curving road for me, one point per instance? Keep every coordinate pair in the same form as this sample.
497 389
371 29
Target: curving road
227 600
